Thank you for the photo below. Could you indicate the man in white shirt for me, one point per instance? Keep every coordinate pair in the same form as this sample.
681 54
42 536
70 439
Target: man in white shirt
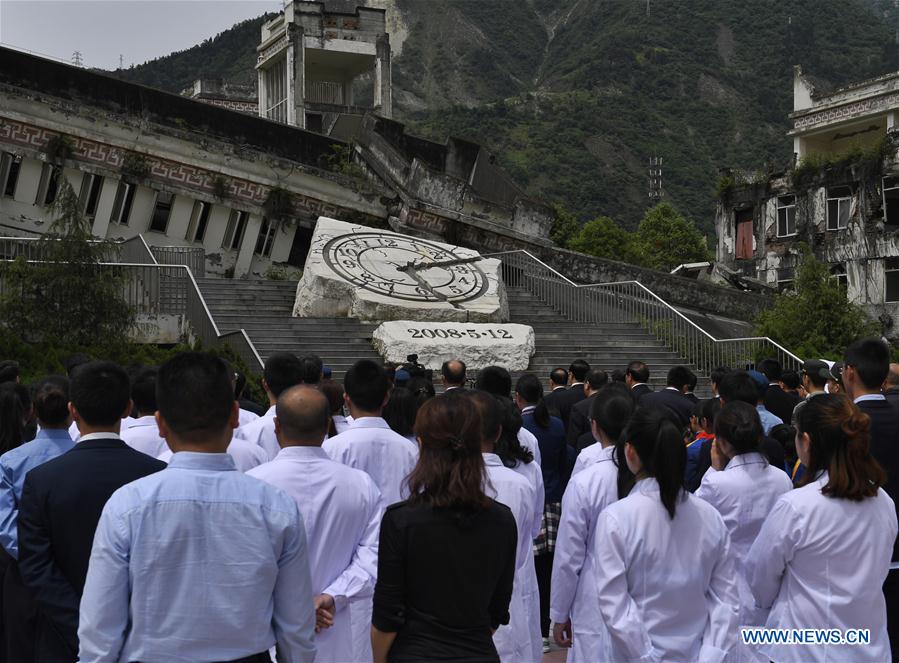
282 370
143 433
342 512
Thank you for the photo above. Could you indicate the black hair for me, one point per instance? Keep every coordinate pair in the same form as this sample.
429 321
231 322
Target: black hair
75 360
100 391
785 435
334 393
691 385
531 392
739 424
638 371
678 377
422 388
51 400
194 394
508 448
490 411
143 391
716 374
12 419
366 385
240 382
9 371
400 411
559 376
311 369
708 410
617 375
452 373
791 379
739 386
660 446
612 408
871 360
597 379
494 380
282 370
771 369
579 369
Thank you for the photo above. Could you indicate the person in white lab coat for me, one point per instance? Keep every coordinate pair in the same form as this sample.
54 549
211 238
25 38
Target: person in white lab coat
369 444
574 607
615 413
664 573
824 551
341 509
743 486
497 381
143 433
282 371
519 641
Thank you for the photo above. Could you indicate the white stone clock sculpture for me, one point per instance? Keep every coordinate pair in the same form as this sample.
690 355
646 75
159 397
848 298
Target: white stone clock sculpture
432 299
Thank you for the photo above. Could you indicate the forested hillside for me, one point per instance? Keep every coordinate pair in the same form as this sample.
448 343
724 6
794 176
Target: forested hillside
575 96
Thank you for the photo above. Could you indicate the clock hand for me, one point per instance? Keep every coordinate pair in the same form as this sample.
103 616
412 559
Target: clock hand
412 265
427 286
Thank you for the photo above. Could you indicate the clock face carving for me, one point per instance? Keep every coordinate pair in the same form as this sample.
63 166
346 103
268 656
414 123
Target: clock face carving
398 266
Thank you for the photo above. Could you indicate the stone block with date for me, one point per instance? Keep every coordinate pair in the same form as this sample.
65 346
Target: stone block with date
478 345
370 274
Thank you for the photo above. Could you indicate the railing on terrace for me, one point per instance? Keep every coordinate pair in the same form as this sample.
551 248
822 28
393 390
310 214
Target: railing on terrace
631 301
189 256
156 289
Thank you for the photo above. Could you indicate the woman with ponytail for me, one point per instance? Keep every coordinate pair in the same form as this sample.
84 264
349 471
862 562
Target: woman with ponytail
573 604
446 558
824 551
663 573
550 434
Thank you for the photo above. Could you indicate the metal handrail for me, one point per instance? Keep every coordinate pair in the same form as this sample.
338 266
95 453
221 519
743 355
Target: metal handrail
632 302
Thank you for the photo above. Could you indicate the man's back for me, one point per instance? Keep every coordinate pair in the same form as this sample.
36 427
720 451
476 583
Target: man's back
567 400
579 420
884 426
369 445
261 431
143 435
780 403
198 562
61 504
671 401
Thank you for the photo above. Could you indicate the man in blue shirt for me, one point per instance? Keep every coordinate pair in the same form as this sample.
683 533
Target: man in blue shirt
51 405
198 562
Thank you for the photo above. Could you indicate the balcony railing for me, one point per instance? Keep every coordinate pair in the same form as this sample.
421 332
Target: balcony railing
631 301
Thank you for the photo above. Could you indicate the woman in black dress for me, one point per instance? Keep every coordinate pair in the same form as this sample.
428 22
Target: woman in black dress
446 559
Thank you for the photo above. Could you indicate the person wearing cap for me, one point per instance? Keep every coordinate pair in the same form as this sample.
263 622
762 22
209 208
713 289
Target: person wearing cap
769 419
814 374
401 378
835 381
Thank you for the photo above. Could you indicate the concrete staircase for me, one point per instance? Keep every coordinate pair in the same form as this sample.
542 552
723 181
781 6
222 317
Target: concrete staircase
263 308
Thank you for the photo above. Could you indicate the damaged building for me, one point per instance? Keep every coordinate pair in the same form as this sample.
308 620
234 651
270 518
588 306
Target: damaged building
840 198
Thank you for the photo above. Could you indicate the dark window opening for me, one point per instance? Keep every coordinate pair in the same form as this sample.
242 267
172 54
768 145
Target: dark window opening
892 279
743 220
891 201
121 206
161 212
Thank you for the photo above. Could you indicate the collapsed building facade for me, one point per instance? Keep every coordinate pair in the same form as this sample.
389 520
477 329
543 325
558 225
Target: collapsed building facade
840 198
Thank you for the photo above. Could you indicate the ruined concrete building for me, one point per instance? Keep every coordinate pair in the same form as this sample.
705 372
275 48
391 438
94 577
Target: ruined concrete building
840 198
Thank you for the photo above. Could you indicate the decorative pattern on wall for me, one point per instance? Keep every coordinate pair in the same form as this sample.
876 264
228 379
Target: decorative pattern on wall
858 109
165 171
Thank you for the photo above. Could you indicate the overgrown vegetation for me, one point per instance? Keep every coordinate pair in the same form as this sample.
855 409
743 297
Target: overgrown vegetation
341 161
135 165
863 163
278 204
59 148
815 319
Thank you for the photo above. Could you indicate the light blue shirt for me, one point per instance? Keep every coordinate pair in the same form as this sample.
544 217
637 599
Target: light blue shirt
198 562
769 420
14 465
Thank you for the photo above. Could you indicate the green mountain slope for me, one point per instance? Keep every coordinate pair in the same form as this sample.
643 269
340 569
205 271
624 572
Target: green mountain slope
575 96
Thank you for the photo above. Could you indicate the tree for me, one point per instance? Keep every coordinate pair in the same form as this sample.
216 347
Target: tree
604 238
665 239
68 296
565 226
816 318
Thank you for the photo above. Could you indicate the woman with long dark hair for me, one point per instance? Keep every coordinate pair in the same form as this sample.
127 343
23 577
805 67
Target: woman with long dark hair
446 558
573 604
663 571
824 551
550 434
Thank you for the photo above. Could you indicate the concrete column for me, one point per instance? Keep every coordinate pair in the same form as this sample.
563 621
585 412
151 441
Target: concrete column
383 96
348 92
104 207
245 252
260 73
296 77
891 120
798 148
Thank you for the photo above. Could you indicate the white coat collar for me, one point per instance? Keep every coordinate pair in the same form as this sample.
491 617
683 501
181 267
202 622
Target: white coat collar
492 460
751 458
369 422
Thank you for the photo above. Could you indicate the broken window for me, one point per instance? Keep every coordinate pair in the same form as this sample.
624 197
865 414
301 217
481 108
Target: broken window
121 207
48 185
786 216
266 238
743 219
838 273
161 212
199 218
237 224
785 277
9 174
891 269
839 205
891 200
90 194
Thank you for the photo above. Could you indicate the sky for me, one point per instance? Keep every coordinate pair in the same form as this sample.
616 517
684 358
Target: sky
102 30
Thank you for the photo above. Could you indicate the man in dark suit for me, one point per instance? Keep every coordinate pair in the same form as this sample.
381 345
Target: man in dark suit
672 398
453 374
636 375
691 387
777 401
891 386
567 399
62 501
558 385
579 420
866 366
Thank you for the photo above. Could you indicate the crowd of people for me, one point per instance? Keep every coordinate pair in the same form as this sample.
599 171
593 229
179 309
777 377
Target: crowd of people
155 514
